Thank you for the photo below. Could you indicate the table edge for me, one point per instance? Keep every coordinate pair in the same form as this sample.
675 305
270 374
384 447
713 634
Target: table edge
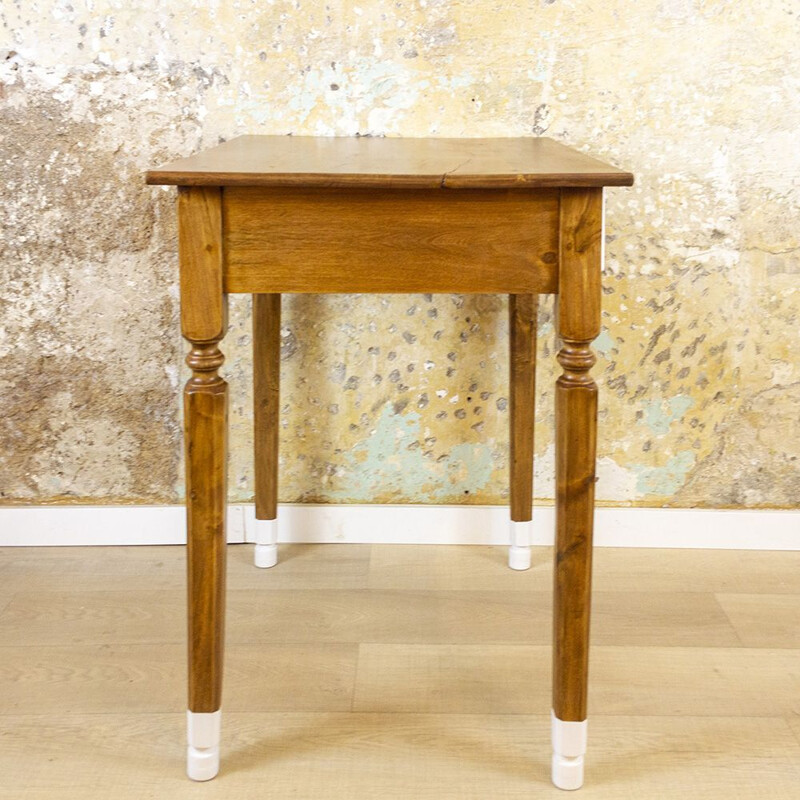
370 181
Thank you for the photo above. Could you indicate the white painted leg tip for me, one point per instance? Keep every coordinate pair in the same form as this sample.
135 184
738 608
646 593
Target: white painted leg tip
519 557
567 772
266 555
569 745
202 765
202 754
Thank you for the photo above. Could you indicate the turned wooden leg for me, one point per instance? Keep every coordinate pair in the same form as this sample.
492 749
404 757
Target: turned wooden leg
576 435
522 312
203 321
266 398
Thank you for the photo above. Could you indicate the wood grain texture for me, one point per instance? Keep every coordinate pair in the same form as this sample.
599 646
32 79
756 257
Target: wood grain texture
118 567
298 614
205 432
580 232
576 415
369 616
468 567
266 400
148 678
616 569
522 317
204 311
702 681
429 163
514 679
319 566
452 678
353 756
121 568
764 620
70 679
579 290
794 724
305 240
204 321
728 571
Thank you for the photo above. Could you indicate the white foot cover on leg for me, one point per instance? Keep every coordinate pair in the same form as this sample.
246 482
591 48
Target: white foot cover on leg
519 554
569 746
266 543
203 734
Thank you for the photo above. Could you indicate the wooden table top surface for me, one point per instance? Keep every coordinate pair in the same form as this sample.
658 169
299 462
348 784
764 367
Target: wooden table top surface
317 161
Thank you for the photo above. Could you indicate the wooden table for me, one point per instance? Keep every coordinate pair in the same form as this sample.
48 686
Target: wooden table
268 215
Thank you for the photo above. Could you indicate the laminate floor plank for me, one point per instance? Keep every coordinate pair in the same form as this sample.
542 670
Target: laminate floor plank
361 615
794 724
616 569
635 569
152 678
302 566
515 679
67 569
337 756
468 567
97 568
357 671
764 620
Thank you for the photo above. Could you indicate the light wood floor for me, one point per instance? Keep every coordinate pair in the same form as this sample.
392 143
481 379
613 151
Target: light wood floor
399 672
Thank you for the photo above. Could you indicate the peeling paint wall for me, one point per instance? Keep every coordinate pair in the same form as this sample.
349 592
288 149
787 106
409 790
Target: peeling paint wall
404 398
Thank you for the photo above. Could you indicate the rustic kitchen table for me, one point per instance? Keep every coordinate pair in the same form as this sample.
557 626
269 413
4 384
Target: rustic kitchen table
269 215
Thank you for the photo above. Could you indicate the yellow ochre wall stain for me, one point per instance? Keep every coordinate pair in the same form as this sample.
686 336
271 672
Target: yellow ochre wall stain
404 398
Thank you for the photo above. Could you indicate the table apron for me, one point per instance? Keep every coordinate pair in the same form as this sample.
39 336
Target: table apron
397 240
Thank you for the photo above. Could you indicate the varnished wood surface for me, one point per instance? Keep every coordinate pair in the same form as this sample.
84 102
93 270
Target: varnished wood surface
522 317
205 414
284 229
266 400
307 240
203 323
579 289
576 415
580 231
92 699
204 312
429 163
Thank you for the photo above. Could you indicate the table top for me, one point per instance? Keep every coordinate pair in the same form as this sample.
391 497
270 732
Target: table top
372 162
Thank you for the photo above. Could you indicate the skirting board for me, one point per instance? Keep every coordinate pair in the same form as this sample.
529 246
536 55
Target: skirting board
401 524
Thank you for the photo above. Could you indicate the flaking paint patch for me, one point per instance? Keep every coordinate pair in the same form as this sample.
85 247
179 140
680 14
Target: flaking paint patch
395 453
697 361
660 414
665 480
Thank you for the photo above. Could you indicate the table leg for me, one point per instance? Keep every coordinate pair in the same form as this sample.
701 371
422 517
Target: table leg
576 434
203 322
522 313
266 399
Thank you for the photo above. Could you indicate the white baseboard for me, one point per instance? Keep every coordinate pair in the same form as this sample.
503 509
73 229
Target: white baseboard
102 525
402 524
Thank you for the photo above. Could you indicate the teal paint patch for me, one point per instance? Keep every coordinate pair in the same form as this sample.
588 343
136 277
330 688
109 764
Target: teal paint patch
660 414
664 480
387 463
604 343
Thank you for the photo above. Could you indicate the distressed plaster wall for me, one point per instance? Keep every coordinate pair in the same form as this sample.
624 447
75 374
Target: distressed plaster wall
403 398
